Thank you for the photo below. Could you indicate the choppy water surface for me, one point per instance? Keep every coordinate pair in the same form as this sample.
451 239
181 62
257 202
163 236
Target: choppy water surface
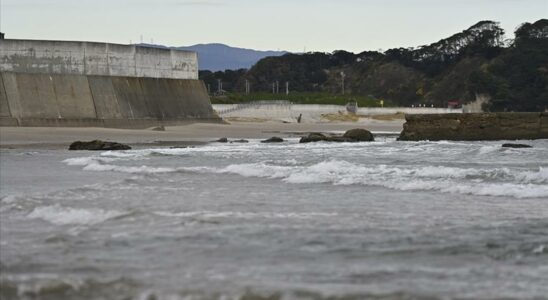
382 220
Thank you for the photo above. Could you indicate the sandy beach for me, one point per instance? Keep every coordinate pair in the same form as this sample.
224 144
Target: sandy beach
196 133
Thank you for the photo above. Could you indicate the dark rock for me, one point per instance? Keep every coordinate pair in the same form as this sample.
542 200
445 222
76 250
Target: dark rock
222 140
516 146
98 145
273 139
239 141
313 137
351 136
159 128
359 135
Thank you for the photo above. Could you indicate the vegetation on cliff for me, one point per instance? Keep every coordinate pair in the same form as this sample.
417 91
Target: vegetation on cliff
517 79
478 60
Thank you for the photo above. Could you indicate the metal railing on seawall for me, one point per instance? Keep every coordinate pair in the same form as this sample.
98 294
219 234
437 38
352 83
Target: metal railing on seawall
256 104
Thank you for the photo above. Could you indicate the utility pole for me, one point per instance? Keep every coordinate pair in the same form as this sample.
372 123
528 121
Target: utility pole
342 81
277 87
287 87
209 89
247 87
219 86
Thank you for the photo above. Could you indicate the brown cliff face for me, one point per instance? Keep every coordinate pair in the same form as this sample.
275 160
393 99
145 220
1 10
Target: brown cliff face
475 126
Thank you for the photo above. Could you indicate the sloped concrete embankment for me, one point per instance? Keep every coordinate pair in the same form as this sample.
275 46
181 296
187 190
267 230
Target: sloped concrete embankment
101 101
475 126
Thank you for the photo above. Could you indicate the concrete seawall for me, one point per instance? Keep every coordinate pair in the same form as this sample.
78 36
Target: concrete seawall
101 101
55 83
475 126
89 58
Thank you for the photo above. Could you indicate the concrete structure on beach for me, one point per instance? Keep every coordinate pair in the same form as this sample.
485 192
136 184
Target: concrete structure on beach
56 83
476 126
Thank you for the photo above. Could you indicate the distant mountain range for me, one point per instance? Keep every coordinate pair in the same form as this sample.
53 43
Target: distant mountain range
220 57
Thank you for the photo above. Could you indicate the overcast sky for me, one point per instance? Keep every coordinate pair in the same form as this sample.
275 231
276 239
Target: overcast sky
318 25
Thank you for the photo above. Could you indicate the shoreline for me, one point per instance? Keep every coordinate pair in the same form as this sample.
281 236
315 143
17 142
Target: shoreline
194 134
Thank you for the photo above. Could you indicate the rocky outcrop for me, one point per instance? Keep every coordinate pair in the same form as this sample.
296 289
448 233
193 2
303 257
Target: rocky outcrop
475 126
351 136
273 139
98 145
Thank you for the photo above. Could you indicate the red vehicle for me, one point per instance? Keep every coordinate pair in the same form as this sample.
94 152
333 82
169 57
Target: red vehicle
454 104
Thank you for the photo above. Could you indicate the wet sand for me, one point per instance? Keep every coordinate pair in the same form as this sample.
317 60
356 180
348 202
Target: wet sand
197 133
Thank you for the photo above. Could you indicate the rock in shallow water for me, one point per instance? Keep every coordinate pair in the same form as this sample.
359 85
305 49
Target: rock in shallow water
240 141
313 137
516 146
98 145
359 134
273 139
351 136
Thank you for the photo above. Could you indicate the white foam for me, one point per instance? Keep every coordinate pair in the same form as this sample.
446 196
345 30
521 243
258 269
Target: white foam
539 250
121 154
127 169
60 215
9 199
80 161
258 170
330 171
540 176
97 164
245 215
500 189
489 149
482 182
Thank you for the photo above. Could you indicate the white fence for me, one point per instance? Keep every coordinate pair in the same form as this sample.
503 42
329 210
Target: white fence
274 107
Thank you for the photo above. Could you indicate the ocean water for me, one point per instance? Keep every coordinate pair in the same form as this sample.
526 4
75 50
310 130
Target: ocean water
379 220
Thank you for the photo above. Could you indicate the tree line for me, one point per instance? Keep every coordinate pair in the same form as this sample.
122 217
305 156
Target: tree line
477 61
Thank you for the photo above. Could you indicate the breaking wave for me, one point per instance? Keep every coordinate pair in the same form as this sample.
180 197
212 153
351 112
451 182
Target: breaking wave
485 179
98 164
483 182
59 215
